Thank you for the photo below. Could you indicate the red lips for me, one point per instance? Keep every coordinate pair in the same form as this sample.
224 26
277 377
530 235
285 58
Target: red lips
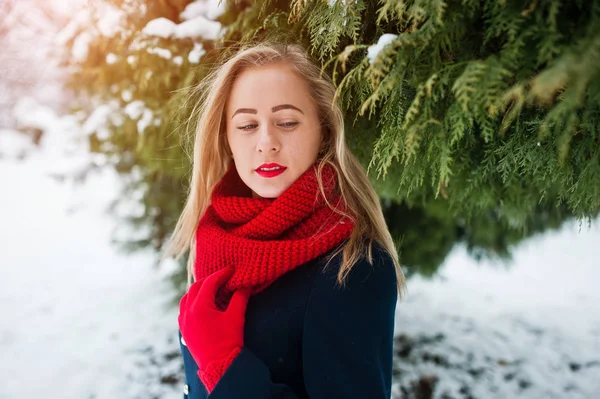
275 170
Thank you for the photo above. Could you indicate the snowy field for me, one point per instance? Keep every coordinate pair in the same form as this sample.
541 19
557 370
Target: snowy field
529 329
80 320
77 319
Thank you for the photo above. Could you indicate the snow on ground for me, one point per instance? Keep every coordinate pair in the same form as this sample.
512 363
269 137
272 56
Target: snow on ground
528 329
77 319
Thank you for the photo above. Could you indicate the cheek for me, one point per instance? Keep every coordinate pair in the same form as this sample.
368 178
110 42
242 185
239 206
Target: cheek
309 146
234 144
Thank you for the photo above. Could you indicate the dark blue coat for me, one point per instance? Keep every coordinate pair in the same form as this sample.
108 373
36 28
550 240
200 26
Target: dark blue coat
308 337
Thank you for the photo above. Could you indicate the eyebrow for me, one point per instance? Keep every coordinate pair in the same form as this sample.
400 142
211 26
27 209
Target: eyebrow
286 106
274 109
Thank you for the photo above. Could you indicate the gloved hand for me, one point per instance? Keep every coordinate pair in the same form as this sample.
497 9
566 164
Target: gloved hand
213 337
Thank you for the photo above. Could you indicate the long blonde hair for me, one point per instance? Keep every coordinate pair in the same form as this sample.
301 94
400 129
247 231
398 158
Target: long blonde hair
212 157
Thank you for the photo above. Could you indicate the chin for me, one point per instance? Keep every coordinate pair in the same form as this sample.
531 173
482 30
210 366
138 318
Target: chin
268 193
269 190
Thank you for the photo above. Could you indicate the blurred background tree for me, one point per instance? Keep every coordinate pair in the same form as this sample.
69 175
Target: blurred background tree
478 120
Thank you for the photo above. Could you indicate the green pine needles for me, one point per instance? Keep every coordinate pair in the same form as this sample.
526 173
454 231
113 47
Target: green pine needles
490 104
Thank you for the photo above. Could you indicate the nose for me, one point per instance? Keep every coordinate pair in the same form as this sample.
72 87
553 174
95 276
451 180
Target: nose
267 141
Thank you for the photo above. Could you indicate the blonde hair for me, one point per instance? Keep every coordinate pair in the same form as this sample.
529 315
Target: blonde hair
211 157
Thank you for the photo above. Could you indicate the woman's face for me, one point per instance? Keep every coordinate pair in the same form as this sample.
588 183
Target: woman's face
273 129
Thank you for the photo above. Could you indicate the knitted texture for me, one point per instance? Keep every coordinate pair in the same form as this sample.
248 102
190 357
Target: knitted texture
214 371
264 238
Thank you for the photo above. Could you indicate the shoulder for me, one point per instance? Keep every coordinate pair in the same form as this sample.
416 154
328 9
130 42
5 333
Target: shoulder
367 281
365 303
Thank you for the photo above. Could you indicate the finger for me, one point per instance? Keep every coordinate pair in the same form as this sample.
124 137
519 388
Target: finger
194 288
182 302
239 301
200 280
213 282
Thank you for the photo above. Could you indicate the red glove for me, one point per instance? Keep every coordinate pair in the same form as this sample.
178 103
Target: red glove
213 337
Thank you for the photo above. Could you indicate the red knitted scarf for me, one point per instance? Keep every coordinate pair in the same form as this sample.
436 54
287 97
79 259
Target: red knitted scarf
264 238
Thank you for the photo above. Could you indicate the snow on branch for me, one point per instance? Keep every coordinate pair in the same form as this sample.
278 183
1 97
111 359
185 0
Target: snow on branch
200 26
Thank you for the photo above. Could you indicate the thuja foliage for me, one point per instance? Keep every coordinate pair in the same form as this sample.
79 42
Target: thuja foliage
477 120
488 104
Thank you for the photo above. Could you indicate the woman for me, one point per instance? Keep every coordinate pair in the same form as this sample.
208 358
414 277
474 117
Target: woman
296 275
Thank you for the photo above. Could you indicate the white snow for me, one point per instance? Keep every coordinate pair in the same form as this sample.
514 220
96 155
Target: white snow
109 20
200 26
196 53
111 58
343 3
127 95
375 49
178 60
64 7
101 119
93 17
525 321
211 9
29 113
130 59
26 13
28 65
135 109
161 52
86 22
78 317
145 121
68 31
81 45
161 27
14 144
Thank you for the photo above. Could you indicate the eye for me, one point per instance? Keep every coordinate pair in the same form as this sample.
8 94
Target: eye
247 127
289 125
